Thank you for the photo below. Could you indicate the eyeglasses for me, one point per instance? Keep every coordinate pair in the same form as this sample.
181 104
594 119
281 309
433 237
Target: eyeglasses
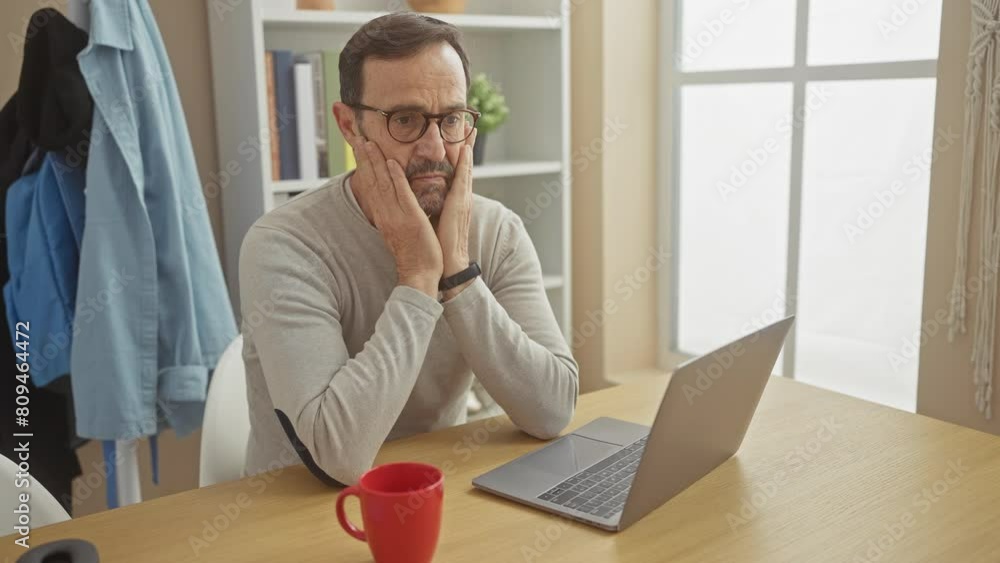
406 126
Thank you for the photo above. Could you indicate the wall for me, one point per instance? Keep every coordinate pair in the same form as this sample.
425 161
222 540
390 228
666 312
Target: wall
613 140
587 107
629 182
184 27
945 388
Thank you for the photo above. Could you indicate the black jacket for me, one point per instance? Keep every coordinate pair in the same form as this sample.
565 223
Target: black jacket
51 111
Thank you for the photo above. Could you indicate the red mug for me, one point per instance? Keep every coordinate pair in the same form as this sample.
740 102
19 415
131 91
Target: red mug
401 510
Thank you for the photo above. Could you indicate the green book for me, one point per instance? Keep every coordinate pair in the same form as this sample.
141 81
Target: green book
337 162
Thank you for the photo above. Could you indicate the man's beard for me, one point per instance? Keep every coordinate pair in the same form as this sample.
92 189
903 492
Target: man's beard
431 197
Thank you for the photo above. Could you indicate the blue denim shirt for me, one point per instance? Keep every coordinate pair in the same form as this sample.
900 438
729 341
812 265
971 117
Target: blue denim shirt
152 312
44 229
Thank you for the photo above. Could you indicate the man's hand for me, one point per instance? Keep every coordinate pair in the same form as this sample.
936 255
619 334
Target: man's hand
385 192
453 226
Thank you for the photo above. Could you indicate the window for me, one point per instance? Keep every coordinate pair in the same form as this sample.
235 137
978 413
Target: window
800 148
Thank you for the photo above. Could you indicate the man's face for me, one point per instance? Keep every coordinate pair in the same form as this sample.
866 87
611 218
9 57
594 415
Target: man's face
432 81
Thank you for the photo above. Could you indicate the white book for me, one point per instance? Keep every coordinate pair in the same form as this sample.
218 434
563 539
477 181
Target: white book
305 120
319 96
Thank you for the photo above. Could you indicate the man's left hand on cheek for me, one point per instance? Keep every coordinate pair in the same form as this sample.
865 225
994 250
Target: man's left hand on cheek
453 225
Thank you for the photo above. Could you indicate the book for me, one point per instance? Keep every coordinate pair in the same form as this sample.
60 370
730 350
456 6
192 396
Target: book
305 121
272 118
284 89
337 159
315 60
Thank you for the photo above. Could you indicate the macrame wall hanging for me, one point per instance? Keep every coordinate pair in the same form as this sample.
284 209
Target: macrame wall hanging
981 145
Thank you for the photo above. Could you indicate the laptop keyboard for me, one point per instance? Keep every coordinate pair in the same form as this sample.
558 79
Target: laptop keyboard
602 488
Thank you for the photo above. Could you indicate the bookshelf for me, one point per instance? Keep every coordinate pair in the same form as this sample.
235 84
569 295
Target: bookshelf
522 44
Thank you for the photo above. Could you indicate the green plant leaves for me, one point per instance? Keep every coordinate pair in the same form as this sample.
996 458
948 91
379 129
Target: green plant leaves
486 98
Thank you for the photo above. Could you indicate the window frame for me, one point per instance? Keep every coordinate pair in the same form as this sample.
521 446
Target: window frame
799 75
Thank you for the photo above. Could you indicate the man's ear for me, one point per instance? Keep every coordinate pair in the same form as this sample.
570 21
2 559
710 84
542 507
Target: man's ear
348 123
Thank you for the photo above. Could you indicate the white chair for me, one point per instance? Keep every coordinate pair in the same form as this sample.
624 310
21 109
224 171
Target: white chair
226 426
45 509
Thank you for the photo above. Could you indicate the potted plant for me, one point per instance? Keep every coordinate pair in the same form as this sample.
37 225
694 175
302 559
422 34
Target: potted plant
438 6
314 4
486 98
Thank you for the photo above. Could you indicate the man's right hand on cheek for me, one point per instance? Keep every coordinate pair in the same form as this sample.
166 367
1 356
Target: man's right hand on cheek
384 191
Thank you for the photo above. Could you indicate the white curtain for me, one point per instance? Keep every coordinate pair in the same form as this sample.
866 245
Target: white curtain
979 178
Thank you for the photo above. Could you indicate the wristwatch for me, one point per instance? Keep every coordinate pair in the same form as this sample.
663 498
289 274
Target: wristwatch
461 277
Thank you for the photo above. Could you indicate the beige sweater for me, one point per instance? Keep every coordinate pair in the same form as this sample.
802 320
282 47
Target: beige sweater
339 358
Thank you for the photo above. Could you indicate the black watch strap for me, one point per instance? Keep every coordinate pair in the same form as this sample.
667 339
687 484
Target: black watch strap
461 277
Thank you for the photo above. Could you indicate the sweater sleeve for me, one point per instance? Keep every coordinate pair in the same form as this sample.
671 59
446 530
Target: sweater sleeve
509 336
336 410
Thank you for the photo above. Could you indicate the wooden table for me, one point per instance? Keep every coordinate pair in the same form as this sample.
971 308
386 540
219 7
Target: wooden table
821 477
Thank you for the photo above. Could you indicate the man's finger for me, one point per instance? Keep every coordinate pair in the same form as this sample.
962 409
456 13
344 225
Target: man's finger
465 164
404 194
377 160
462 184
357 143
471 139
364 170
471 144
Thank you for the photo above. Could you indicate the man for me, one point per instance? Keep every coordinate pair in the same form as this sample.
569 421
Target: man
369 303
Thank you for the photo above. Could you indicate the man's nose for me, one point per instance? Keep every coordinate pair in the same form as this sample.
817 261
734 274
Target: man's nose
431 145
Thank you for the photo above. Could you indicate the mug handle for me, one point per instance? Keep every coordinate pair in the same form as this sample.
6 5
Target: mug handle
342 517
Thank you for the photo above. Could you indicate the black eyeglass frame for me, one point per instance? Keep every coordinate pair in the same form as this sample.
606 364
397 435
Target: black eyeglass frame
427 121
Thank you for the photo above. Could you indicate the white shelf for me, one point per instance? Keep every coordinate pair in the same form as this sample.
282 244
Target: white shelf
494 170
351 19
552 282
296 186
515 168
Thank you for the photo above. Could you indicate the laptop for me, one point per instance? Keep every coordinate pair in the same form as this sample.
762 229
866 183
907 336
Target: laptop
610 473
